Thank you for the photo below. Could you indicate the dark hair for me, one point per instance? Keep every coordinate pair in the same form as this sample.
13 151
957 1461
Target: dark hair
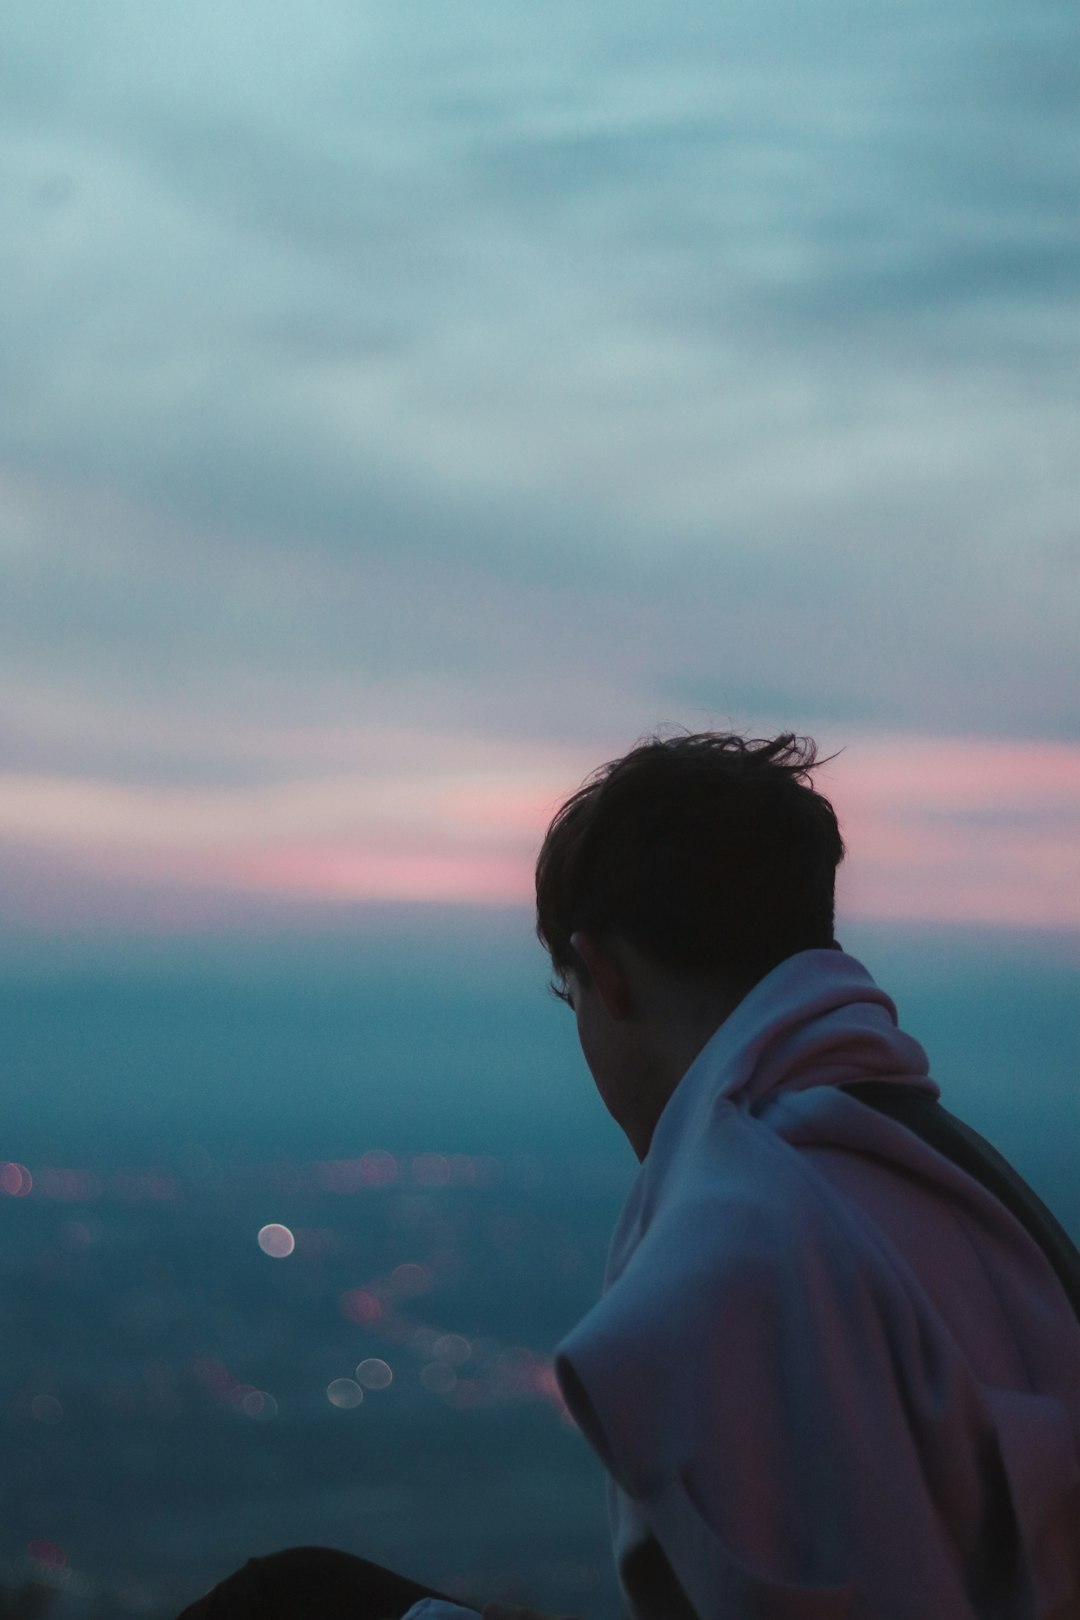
708 852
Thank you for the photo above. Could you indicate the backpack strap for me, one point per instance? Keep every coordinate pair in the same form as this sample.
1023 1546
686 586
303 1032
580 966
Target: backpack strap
972 1153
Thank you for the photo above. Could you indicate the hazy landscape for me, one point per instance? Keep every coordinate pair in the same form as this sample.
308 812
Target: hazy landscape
176 1398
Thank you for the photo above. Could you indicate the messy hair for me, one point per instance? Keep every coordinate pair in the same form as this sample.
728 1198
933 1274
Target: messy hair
709 852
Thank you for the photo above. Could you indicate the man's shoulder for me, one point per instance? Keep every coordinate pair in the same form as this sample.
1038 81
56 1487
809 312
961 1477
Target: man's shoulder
743 1215
745 1175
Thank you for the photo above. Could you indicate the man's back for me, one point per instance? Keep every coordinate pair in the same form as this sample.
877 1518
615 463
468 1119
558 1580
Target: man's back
994 1293
832 1376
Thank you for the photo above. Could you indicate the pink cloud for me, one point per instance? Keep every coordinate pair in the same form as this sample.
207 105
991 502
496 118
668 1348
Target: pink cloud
938 829
960 831
346 875
943 773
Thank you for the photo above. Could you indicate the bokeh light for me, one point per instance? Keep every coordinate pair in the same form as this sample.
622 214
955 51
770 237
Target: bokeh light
344 1393
256 1403
431 1169
438 1377
15 1180
379 1168
410 1279
360 1305
46 1552
76 1236
375 1373
276 1240
451 1347
47 1409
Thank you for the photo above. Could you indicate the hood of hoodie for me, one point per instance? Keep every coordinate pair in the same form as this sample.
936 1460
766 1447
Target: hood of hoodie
818 1019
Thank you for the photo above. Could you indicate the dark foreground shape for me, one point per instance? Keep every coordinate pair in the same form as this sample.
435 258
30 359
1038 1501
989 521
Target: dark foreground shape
26 1602
309 1583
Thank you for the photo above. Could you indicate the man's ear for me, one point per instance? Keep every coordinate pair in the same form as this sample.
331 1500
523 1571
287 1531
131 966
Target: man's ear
607 972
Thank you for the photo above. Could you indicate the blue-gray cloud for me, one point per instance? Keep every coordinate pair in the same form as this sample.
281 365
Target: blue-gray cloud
541 368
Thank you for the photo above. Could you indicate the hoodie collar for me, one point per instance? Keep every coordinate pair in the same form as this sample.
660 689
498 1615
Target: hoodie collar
817 1019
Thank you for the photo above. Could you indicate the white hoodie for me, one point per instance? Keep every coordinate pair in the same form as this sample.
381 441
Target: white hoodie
829 1376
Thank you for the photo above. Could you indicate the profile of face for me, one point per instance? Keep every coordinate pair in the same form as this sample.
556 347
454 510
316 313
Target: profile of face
610 1040
595 1038
640 1027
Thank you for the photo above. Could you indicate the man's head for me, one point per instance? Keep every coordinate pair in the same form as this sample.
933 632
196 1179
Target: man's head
689 869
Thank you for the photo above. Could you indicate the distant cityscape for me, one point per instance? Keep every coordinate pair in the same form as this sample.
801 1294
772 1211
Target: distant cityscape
282 1264
202 1362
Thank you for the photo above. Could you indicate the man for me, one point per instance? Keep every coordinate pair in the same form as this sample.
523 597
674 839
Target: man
830 1375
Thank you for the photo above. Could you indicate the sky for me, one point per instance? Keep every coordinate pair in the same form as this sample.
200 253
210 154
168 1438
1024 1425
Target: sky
404 408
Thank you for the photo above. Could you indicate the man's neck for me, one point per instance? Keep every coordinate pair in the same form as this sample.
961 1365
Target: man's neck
678 1019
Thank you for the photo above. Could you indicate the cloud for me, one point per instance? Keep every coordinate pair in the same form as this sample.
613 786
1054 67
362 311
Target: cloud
937 829
522 377
374 287
961 830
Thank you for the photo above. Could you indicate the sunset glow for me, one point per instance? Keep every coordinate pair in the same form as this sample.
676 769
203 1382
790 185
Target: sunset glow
937 828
